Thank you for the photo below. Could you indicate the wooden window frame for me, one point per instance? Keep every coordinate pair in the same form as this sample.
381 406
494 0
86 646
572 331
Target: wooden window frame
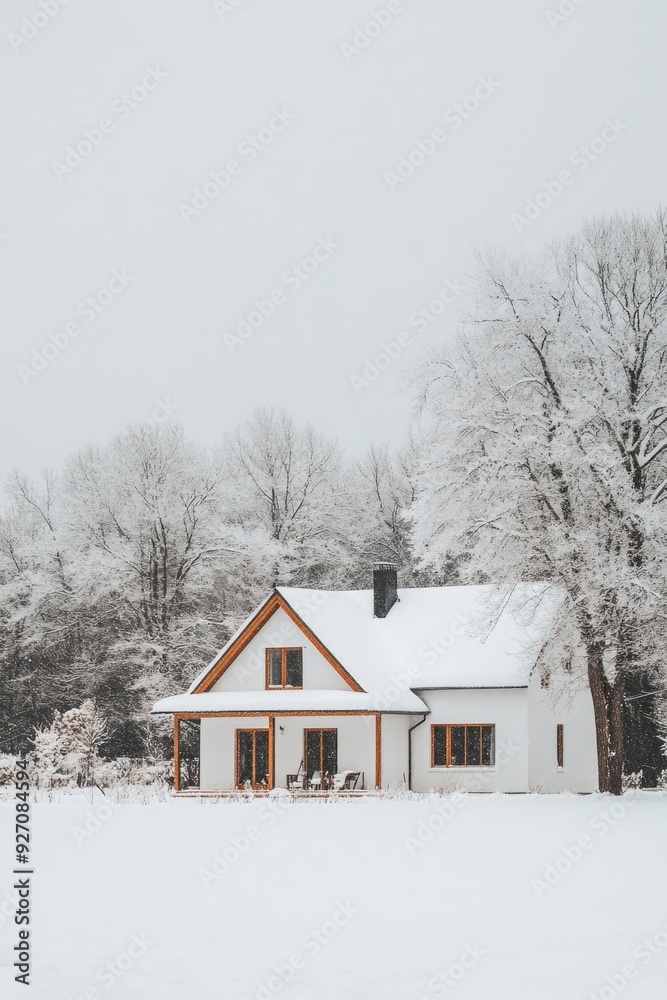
560 746
318 729
237 756
284 650
448 726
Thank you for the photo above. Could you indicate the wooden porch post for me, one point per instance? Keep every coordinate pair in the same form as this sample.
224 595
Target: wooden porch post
177 754
378 751
272 752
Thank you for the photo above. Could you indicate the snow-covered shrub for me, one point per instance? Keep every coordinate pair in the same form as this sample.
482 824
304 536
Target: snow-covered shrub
66 754
68 751
110 773
7 768
47 752
132 771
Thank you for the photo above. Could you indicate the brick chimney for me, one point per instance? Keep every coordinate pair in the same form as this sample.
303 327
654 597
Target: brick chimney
385 583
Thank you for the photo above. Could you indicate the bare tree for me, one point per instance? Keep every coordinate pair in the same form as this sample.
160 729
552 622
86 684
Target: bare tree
143 513
285 486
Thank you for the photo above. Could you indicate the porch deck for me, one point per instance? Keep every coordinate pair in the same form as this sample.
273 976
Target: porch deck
294 793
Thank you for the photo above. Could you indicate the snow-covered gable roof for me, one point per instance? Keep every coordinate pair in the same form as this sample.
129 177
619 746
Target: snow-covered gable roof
433 637
438 637
228 645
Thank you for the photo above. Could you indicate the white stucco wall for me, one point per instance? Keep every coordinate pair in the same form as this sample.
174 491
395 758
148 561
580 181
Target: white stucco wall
566 700
525 723
356 746
248 671
506 708
218 750
395 749
356 743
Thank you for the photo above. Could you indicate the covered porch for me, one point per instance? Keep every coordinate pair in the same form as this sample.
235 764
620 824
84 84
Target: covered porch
306 753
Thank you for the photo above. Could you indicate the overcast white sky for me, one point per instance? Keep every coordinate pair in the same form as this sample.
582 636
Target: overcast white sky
323 176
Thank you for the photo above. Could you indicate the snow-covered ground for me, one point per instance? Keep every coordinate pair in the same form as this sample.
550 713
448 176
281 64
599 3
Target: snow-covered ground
502 898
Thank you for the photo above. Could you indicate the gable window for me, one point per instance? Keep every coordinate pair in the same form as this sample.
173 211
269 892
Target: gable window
463 746
284 668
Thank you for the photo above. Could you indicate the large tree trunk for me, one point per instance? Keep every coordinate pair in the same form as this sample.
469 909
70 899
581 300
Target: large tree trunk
608 709
599 687
616 718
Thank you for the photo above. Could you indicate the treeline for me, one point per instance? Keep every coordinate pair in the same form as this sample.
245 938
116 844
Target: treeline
541 455
125 571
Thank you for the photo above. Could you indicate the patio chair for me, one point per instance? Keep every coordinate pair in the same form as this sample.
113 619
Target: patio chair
296 781
346 781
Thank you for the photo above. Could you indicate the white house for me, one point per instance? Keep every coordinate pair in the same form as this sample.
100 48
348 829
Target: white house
425 688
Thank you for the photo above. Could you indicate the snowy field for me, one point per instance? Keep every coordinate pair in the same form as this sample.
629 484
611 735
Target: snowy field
479 898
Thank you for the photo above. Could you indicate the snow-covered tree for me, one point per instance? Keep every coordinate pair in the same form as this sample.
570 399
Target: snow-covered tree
286 487
143 509
142 513
39 617
534 465
123 573
387 490
107 582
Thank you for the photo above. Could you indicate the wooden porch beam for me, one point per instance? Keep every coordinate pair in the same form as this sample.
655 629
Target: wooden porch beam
177 753
272 752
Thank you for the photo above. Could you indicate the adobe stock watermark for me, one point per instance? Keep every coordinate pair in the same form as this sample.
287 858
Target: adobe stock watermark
225 7
444 982
238 846
247 151
111 972
455 116
445 811
366 33
572 854
250 663
35 22
564 10
448 807
405 680
312 944
292 279
582 158
120 109
162 412
87 310
645 953
420 320
8 906
94 821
